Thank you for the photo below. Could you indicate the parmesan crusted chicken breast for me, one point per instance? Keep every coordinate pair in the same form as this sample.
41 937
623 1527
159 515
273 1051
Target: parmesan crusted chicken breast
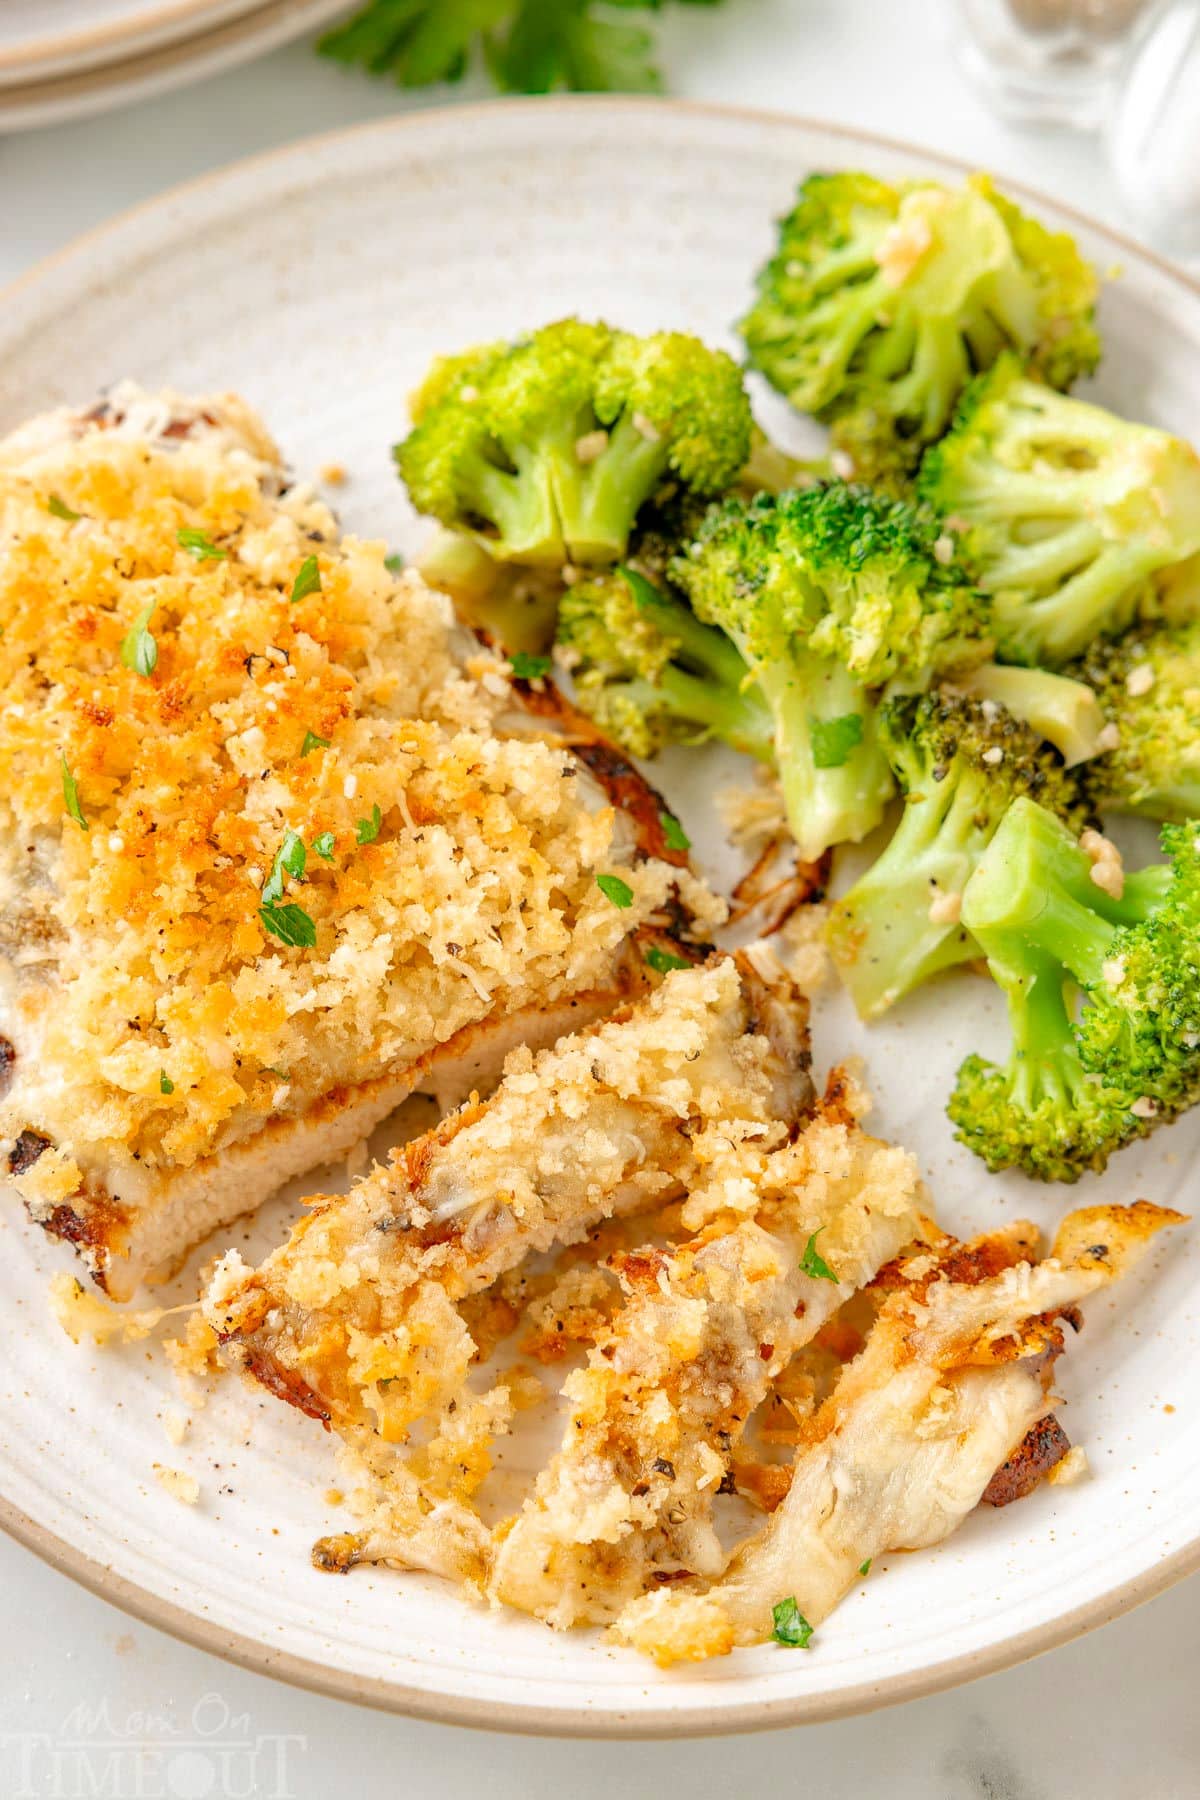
706 1327
951 1383
356 1318
279 842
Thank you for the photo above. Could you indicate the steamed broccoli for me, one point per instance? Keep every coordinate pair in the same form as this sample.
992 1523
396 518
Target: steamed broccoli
1075 1091
1059 708
547 449
959 764
1149 684
829 593
650 672
1069 514
881 302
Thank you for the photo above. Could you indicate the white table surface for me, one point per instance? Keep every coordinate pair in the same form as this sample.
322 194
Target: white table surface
1113 1716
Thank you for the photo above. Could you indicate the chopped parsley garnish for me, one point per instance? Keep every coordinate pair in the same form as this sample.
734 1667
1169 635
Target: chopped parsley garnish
280 1074
60 510
394 563
813 1263
291 924
675 836
323 845
313 742
529 668
139 648
165 1084
71 794
308 581
662 962
643 591
291 858
616 890
200 545
367 830
865 1568
790 1626
833 739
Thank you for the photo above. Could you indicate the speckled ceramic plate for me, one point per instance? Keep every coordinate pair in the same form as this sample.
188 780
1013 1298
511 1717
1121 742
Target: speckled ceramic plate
319 281
89 60
43 38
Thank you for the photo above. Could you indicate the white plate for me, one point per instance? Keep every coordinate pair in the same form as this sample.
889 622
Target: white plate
44 38
220 34
319 281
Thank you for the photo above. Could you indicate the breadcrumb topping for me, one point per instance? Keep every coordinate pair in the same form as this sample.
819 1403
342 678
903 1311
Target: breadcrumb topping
298 687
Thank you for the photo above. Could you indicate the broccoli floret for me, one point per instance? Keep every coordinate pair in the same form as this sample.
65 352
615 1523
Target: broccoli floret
881 302
650 673
1149 685
1075 1091
829 593
1064 711
547 449
1069 514
1042 1113
959 764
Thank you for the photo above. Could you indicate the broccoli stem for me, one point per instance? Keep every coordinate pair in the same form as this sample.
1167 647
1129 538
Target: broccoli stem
1035 883
520 501
889 933
706 649
1065 712
1045 1063
841 801
740 720
597 501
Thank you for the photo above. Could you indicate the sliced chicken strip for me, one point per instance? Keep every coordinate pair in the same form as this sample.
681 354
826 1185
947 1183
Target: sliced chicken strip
952 1377
355 1318
706 1327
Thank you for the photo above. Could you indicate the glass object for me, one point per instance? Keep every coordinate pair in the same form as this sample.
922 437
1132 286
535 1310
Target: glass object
1050 61
1153 132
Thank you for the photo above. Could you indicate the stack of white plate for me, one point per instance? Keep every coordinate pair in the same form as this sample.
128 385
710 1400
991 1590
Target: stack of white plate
63 59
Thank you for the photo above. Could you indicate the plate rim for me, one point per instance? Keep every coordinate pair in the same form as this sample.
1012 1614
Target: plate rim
160 21
150 70
386 1694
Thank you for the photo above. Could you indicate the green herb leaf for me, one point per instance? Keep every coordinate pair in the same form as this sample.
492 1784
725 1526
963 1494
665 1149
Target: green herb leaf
529 46
139 649
60 510
290 924
280 1074
71 794
367 830
675 836
308 581
790 1626
616 890
529 668
643 591
813 1263
165 1084
323 845
395 564
200 545
865 1568
291 858
833 739
662 962
313 742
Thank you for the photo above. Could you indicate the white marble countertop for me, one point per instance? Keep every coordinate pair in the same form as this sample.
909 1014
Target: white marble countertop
1112 1716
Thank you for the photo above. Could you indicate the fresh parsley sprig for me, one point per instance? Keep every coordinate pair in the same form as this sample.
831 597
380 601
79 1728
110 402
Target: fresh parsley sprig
528 46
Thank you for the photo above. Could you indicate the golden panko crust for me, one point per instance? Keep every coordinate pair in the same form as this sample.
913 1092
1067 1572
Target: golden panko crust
299 686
